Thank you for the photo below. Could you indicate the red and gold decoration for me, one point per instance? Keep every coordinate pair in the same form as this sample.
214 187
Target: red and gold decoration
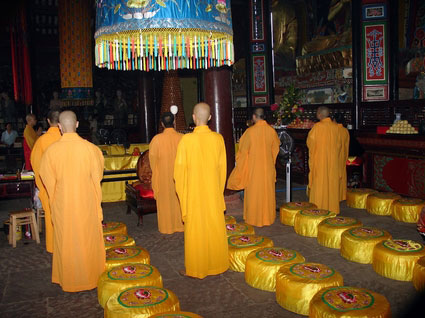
239 229
125 276
114 228
228 219
298 283
380 203
116 256
141 301
307 221
329 231
407 209
419 274
357 244
288 211
75 44
396 259
344 301
118 240
356 197
241 245
263 264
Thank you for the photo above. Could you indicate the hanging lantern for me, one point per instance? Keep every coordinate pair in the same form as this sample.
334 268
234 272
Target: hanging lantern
163 34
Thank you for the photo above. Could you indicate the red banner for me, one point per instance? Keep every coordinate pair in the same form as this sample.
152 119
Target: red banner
375 55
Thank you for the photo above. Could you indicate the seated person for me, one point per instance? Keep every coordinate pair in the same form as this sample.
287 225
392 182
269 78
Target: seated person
8 137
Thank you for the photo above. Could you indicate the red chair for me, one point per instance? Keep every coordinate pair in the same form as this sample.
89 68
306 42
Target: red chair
139 195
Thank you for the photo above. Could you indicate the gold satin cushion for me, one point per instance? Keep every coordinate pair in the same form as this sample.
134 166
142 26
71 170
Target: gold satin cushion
290 209
241 245
120 255
118 240
407 209
112 228
239 229
356 197
380 203
125 276
329 231
141 302
228 219
395 259
357 244
177 314
347 302
296 284
262 265
307 221
419 274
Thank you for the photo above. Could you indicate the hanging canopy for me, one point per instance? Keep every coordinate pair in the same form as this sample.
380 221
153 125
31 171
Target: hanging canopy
163 34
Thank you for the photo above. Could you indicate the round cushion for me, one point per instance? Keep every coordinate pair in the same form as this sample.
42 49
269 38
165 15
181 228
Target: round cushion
262 265
290 209
306 221
344 301
120 255
298 283
118 240
239 229
380 203
177 314
357 244
228 219
419 274
329 231
407 209
125 276
112 228
395 259
141 302
241 245
356 197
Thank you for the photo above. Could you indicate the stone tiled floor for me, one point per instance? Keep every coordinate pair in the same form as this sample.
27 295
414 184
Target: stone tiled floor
26 291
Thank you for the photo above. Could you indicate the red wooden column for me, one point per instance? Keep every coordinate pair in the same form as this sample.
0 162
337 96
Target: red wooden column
217 92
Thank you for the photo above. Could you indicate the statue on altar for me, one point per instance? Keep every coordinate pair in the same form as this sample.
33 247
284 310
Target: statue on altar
120 110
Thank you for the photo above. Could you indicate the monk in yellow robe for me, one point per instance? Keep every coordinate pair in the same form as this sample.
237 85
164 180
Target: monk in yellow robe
324 146
200 175
162 155
30 136
53 134
71 170
255 171
345 144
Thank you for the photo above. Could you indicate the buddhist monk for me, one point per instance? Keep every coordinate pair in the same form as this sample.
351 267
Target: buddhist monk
324 146
53 134
255 171
162 155
71 170
200 176
30 136
345 144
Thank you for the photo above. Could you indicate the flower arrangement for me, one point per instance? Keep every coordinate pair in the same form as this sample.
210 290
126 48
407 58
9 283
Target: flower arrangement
289 107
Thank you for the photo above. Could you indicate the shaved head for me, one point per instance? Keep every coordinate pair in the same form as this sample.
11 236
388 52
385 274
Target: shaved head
68 122
53 118
201 114
258 115
31 120
322 112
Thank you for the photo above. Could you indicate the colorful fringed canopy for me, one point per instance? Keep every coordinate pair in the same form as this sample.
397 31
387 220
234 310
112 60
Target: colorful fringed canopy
163 34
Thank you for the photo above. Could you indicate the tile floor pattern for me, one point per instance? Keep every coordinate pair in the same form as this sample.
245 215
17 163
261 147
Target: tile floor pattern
26 291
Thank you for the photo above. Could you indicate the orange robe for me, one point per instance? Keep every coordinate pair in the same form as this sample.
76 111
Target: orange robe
256 173
162 154
30 137
71 170
200 175
345 144
52 135
324 146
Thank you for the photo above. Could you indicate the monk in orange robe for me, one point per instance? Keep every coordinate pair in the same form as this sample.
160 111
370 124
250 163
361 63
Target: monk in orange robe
200 175
71 170
53 134
162 154
255 171
324 146
345 144
30 136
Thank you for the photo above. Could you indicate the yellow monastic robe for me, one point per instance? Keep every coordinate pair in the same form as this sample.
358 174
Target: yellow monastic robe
324 146
345 143
30 136
52 135
200 175
162 155
71 170
256 173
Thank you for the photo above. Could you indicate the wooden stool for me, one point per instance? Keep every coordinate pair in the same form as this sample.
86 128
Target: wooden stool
40 215
23 218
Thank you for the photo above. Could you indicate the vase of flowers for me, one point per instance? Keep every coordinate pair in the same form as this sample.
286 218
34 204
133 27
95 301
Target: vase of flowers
289 107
